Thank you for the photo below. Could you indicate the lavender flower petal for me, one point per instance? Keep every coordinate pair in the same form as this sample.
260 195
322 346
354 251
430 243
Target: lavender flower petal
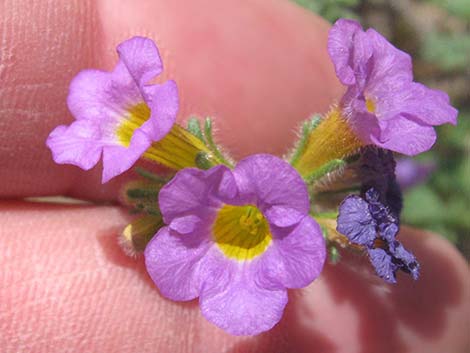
163 103
237 304
404 135
194 191
77 144
295 259
141 58
275 187
173 263
340 41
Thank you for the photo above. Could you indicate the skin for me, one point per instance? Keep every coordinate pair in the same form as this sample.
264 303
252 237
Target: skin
259 67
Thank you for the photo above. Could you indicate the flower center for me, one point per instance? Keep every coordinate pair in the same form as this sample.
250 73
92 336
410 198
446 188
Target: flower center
241 232
137 116
370 105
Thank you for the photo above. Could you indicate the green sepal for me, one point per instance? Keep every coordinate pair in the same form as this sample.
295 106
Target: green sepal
307 127
208 134
333 255
324 232
194 127
142 196
151 176
328 215
325 169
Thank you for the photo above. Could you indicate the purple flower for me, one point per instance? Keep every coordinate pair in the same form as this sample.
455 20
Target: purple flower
236 239
411 172
382 104
366 221
117 113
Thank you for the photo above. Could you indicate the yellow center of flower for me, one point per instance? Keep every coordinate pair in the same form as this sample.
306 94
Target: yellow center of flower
177 150
370 105
241 232
135 118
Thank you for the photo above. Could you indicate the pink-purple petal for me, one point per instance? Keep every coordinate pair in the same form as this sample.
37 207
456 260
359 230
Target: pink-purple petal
163 103
142 59
283 216
430 107
117 159
270 181
78 144
103 96
194 191
173 262
365 125
340 41
294 259
390 63
406 136
237 305
185 224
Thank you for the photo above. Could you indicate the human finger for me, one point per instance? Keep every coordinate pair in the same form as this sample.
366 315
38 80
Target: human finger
258 67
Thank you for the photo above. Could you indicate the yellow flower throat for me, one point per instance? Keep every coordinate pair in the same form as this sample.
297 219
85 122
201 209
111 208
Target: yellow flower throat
177 150
241 232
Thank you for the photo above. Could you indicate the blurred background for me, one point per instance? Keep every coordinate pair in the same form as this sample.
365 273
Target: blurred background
437 35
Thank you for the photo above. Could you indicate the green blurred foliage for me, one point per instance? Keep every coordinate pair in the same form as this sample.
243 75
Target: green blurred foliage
449 51
443 203
459 8
331 9
441 54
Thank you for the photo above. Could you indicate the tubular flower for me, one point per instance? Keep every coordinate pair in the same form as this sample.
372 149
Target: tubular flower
237 240
117 114
367 222
383 106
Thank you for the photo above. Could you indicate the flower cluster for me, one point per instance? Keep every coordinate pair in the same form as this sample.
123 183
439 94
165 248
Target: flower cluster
239 234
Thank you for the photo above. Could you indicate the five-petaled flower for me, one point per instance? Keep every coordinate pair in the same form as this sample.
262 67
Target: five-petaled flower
383 105
236 239
118 114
